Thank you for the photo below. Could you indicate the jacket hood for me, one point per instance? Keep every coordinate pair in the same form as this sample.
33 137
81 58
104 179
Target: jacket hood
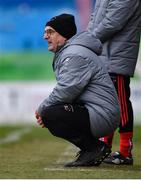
87 40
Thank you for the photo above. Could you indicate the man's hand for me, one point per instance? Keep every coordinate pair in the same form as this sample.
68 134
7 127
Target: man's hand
39 119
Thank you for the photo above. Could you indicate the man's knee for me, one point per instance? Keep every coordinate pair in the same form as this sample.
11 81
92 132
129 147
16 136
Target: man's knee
53 119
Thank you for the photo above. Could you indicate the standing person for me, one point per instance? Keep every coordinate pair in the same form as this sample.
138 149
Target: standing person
70 111
117 24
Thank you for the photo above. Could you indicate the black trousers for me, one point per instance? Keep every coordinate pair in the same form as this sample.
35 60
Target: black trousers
122 85
70 122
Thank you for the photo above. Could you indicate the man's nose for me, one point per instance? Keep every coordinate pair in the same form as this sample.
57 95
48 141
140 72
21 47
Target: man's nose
46 36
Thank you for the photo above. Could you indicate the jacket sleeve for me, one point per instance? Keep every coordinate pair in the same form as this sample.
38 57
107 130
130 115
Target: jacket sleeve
74 75
117 15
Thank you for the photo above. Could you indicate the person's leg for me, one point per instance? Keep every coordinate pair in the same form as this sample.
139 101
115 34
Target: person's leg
71 122
124 156
126 125
108 139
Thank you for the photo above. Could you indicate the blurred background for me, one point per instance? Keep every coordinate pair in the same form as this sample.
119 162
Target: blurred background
26 75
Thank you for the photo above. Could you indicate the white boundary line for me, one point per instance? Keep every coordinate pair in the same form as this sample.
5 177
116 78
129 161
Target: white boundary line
69 169
87 169
14 136
83 169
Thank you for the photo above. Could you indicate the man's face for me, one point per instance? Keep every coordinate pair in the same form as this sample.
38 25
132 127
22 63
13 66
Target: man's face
54 39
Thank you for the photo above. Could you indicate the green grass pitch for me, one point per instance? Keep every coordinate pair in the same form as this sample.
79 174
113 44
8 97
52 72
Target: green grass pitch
26 66
30 152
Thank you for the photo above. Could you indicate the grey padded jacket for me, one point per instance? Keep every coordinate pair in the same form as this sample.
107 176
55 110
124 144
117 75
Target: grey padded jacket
117 23
81 78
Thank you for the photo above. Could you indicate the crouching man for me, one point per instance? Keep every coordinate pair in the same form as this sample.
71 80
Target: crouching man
83 105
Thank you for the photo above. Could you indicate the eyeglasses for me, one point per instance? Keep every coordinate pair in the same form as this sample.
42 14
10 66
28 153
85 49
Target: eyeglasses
49 32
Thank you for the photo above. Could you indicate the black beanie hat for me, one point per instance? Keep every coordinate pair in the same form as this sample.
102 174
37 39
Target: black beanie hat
64 24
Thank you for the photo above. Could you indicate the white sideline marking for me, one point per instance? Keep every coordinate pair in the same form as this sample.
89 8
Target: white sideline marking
14 136
88 169
70 169
82 169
